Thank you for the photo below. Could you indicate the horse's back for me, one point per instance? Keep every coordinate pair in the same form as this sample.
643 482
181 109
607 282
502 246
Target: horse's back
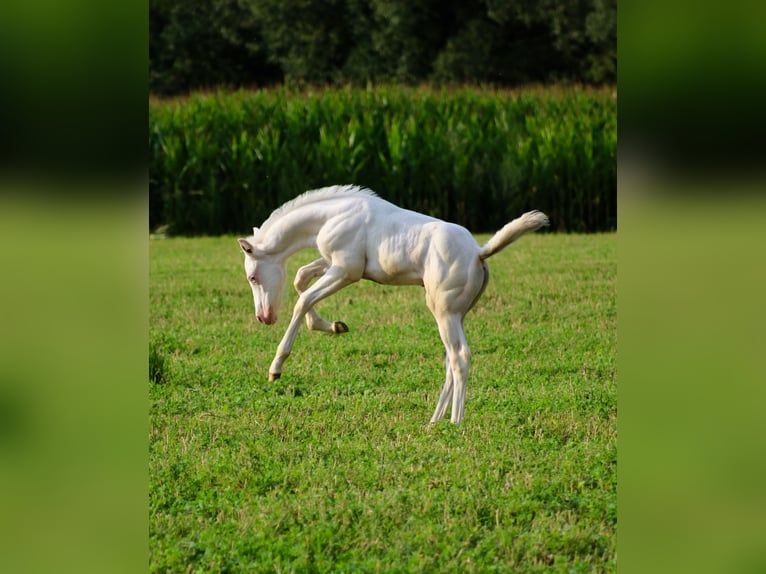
401 244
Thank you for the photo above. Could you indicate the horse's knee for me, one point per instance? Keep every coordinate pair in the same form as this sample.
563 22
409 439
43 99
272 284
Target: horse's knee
300 282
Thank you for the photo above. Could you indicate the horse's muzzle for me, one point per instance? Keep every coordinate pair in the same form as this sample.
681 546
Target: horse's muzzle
266 318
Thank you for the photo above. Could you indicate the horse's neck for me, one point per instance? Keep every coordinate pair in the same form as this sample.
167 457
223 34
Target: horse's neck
295 230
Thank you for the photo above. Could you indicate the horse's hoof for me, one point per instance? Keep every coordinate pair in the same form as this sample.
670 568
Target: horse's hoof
339 327
274 376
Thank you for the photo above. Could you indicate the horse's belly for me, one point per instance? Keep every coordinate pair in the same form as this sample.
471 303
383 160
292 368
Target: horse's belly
399 270
397 258
391 277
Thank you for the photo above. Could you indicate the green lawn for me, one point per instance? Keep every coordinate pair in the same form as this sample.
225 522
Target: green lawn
335 468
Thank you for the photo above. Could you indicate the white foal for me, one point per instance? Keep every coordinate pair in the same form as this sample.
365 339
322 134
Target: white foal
361 236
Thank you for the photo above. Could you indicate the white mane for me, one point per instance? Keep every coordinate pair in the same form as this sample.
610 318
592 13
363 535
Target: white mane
315 195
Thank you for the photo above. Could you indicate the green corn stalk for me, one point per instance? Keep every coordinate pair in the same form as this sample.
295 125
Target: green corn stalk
219 163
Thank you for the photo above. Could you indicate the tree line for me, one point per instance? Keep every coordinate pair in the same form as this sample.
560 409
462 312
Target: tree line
199 44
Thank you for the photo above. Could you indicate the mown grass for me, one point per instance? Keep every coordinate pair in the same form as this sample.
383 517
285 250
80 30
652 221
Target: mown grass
334 467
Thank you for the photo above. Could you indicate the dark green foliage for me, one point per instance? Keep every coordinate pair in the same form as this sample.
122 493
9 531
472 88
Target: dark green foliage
200 44
220 163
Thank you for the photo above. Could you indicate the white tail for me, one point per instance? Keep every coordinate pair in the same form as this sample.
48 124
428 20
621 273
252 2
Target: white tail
530 221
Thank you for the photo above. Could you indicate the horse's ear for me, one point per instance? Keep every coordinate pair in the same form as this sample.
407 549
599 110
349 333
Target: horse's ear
247 247
255 231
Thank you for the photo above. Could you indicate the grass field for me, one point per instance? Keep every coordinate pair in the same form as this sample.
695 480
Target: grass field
335 468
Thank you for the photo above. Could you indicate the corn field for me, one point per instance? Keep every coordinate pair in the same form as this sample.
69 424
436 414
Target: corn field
221 162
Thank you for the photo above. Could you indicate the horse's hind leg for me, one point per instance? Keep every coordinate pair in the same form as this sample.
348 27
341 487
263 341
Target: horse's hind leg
459 359
449 308
446 394
302 279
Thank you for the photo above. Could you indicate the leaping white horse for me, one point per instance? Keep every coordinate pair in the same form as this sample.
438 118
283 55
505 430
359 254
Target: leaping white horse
361 236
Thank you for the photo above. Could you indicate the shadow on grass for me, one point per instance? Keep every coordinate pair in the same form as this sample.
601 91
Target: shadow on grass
288 388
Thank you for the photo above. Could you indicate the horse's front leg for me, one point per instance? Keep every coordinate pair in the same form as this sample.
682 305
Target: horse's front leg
333 280
313 320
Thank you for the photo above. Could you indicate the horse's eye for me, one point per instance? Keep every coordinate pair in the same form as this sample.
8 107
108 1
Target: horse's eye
252 279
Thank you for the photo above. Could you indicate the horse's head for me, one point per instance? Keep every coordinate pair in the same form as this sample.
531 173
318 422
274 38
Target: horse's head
267 280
